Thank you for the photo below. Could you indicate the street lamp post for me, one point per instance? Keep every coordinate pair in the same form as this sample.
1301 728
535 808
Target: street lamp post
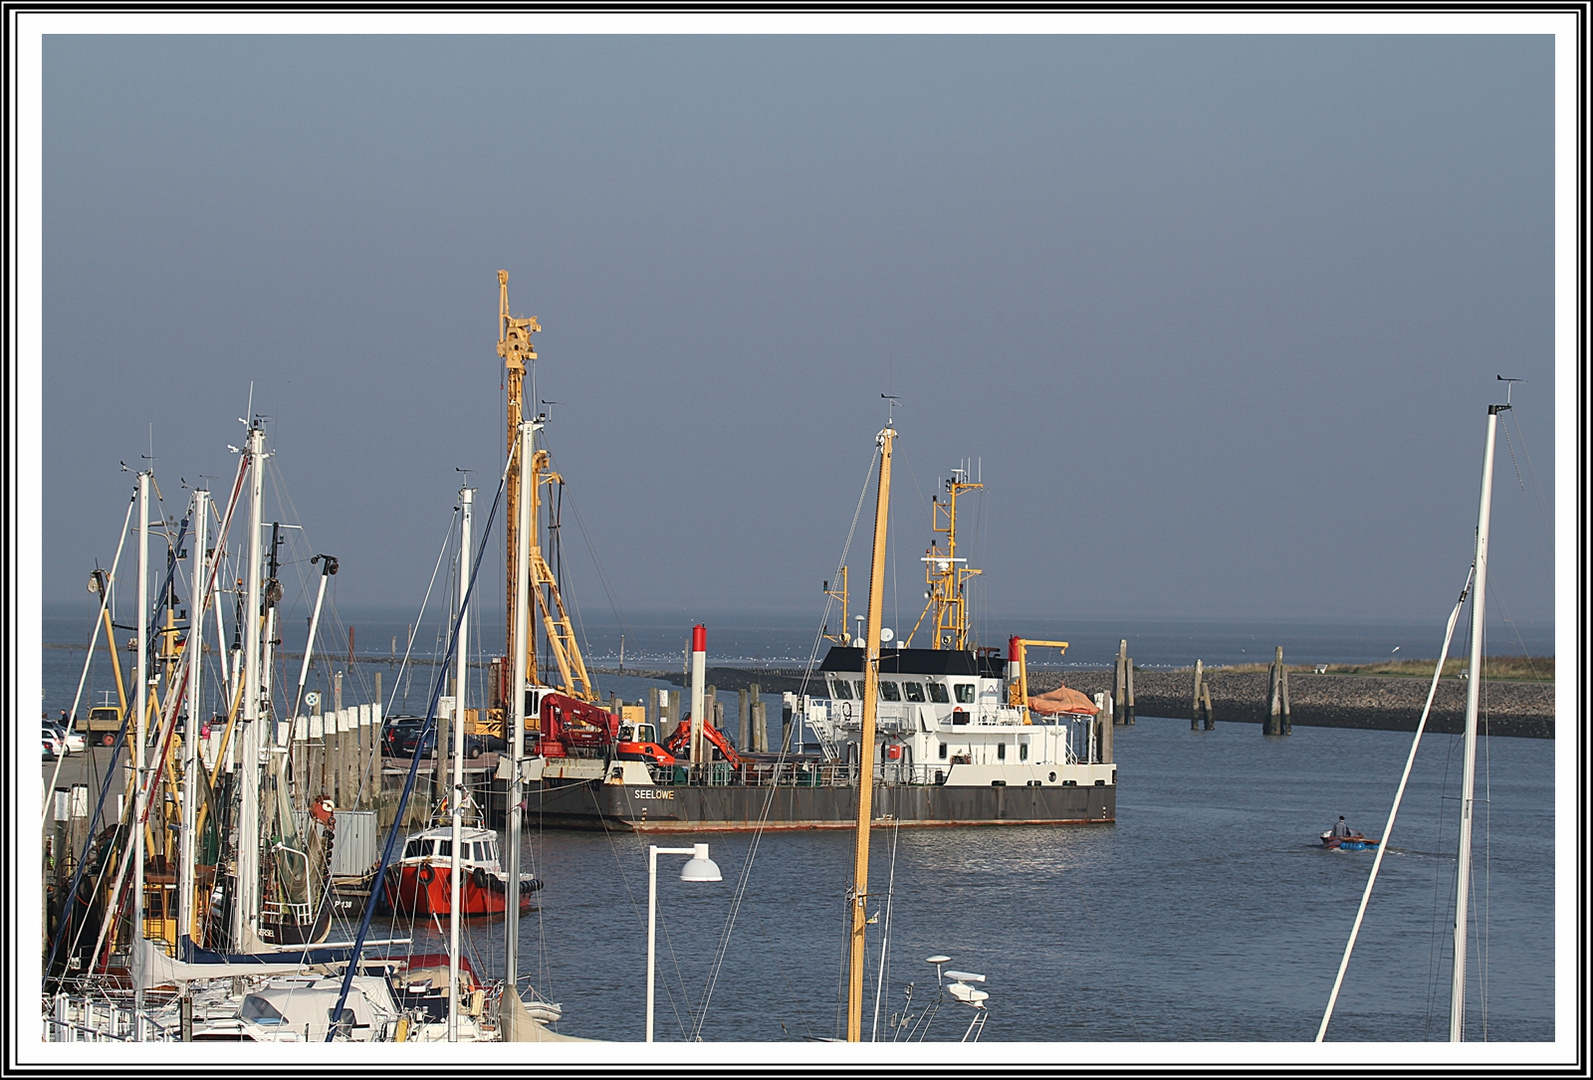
698 868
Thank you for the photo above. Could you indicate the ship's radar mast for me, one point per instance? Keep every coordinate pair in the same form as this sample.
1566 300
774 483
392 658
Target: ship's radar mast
945 572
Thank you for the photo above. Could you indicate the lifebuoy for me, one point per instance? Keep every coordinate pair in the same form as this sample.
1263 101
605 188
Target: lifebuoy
478 877
426 874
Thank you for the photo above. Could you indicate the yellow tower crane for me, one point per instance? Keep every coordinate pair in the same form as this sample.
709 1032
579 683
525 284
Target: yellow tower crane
514 345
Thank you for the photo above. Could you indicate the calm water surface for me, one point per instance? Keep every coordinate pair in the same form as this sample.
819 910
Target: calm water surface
1207 912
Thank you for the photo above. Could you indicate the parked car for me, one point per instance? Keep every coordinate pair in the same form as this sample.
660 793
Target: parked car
396 730
70 740
402 734
475 745
53 746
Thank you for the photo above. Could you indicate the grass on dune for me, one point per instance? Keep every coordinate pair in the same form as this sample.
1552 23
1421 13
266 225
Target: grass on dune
1509 668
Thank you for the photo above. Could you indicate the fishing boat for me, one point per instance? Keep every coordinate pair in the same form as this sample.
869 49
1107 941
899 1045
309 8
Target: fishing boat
420 882
216 868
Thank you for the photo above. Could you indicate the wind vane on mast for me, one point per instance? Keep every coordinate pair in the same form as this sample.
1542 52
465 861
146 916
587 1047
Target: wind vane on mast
1508 387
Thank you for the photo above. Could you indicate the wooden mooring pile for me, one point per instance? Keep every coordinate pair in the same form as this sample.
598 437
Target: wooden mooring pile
1275 720
1200 714
1123 686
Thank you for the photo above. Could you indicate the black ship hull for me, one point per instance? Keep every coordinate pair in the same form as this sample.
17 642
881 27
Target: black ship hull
731 808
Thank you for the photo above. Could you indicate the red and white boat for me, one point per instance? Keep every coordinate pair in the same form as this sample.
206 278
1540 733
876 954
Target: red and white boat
420 881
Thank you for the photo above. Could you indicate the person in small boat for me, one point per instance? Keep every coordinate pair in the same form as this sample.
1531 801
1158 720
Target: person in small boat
1342 828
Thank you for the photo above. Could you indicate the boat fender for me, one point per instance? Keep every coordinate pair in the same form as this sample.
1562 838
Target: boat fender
425 874
478 877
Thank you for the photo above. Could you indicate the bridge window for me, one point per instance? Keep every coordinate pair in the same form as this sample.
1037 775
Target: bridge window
914 691
889 691
937 693
965 692
842 689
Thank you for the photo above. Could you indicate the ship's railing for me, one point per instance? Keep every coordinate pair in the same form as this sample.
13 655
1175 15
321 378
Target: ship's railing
68 1019
807 774
283 911
762 774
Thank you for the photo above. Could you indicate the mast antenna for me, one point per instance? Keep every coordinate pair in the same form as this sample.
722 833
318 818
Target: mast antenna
1508 387
890 409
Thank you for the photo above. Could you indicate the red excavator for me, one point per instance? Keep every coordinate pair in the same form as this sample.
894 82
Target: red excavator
681 739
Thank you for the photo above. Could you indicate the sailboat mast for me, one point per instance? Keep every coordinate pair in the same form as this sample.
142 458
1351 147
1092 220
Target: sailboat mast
865 774
140 705
456 794
1468 780
516 733
196 626
246 904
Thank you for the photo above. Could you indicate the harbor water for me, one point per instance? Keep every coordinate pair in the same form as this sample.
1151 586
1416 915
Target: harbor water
1207 912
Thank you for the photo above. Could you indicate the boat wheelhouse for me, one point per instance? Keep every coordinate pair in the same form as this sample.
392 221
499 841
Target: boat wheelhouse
945 717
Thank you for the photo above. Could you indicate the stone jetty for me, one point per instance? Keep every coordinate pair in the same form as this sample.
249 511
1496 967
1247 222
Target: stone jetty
1380 702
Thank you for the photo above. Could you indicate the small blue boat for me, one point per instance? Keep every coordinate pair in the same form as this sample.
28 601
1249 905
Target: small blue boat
1356 842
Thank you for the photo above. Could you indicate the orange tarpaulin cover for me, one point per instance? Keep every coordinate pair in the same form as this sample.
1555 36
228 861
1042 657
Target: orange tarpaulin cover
1063 700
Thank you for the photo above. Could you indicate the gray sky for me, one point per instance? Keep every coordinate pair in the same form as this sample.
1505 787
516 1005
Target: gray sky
1219 316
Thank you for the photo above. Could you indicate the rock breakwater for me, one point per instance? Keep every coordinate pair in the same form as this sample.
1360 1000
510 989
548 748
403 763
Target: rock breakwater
1386 703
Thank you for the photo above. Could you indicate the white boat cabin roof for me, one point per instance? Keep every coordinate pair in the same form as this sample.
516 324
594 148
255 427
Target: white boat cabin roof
438 843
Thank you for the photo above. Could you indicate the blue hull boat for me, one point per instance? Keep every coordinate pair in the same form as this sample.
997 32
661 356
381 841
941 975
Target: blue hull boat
1348 843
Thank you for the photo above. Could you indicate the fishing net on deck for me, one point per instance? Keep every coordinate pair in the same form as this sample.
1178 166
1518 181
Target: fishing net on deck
1063 700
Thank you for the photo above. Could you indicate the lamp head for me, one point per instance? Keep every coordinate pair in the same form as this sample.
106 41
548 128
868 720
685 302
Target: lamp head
700 867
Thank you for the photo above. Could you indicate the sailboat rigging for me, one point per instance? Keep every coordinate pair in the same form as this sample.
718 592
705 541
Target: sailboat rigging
1476 587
